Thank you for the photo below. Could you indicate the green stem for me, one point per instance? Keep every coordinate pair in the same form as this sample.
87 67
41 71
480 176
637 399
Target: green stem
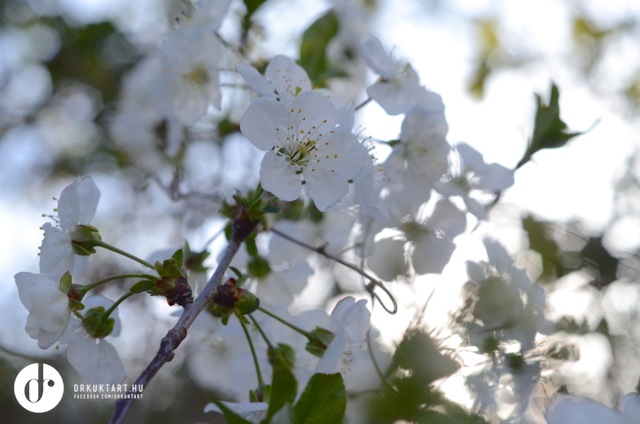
253 350
95 284
288 324
259 328
118 302
123 253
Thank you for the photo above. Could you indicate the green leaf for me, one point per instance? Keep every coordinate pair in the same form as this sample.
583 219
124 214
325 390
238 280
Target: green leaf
142 286
179 257
423 357
324 400
284 386
542 243
313 49
252 6
231 417
549 132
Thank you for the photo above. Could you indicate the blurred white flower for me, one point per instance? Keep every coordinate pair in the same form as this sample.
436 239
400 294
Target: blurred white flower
48 307
397 90
417 162
474 175
95 359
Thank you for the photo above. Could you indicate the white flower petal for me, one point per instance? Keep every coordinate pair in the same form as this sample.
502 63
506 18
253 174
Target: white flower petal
96 360
431 254
48 308
260 120
78 203
328 364
57 256
288 78
324 187
388 259
279 178
448 218
255 80
376 58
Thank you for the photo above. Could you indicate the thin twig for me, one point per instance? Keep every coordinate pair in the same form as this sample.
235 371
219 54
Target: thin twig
373 282
177 334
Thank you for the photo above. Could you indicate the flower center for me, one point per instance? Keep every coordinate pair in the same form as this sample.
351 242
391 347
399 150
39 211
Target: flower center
198 76
300 146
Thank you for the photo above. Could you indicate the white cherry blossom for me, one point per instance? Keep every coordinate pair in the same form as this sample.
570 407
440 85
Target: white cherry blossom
96 359
77 206
473 175
398 89
418 161
283 79
349 322
48 307
433 240
304 146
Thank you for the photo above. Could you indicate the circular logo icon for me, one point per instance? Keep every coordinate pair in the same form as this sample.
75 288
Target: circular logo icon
38 388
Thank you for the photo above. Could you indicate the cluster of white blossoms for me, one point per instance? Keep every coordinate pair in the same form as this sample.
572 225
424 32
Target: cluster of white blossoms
328 200
51 299
173 86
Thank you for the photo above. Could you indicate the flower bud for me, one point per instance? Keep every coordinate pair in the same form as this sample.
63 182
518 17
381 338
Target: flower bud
319 339
97 324
228 298
83 240
176 290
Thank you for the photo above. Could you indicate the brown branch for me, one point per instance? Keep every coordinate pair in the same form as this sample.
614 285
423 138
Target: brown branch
177 334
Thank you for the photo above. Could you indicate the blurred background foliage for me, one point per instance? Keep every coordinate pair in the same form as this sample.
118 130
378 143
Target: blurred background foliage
61 76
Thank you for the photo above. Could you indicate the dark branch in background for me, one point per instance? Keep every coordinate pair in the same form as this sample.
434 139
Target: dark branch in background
178 333
370 287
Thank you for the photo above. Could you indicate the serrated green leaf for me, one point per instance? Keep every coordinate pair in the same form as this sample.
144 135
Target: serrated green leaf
178 256
324 400
313 49
550 131
284 386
